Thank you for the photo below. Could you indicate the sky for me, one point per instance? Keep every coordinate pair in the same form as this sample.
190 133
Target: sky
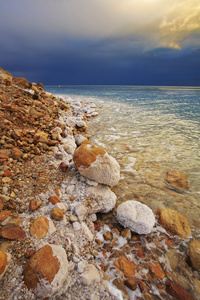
128 42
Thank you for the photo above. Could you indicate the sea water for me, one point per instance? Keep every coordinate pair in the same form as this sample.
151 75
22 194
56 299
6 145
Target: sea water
150 131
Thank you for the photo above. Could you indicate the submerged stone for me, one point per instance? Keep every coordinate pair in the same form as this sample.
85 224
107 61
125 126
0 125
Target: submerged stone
136 216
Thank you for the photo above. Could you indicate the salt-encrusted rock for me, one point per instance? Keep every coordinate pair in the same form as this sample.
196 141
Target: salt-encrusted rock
173 222
76 226
5 259
80 139
71 121
46 270
136 216
82 265
100 199
80 123
39 227
177 180
93 162
90 275
194 251
86 231
69 144
81 212
55 133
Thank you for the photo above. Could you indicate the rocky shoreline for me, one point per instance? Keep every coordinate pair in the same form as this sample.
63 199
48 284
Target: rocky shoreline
53 184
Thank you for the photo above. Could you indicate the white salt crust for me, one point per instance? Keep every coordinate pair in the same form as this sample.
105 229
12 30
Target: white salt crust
105 169
136 216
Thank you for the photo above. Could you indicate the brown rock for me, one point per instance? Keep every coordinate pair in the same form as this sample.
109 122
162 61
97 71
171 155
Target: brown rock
178 291
4 214
34 204
16 153
148 296
57 191
108 236
54 200
126 233
194 251
21 82
157 270
173 222
57 214
177 180
131 284
3 261
63 166
42 264
139 251
39 227
85 155
118 282
126 266
5 77
12 233
29 253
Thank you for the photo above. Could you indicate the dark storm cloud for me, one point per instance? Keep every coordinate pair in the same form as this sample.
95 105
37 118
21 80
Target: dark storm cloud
101 42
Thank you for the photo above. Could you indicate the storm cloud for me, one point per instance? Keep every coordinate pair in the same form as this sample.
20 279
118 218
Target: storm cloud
102 42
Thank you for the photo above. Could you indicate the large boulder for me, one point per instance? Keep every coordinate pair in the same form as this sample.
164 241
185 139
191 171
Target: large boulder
173 222
100 198
194 251
177 180
95 163
46 270
136 216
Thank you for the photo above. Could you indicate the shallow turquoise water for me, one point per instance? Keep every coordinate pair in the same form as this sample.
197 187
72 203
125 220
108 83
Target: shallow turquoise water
149 130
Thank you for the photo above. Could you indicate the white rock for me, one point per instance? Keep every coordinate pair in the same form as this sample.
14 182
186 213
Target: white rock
70 121
61 206
92 217
70 189
55 133
136 216
86 231
100 199
80 123
90 275
81 212
79 138
69 144
91 182
45 289
76 226
105 169
82 265
52 228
